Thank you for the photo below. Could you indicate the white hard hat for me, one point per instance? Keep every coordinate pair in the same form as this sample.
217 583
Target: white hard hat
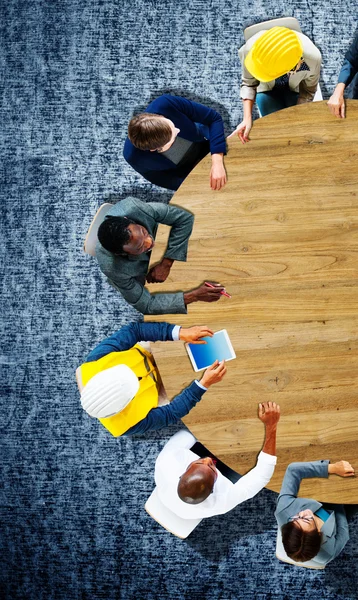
109 391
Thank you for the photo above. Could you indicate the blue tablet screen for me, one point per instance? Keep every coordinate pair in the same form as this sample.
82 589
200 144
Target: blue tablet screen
216 349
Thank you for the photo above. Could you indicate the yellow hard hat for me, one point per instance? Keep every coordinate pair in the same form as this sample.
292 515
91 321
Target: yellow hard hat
275 53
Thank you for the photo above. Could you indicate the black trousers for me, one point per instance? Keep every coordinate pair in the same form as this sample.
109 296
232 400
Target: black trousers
203 452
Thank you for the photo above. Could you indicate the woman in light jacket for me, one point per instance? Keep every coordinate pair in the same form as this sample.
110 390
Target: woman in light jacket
309 529
280 68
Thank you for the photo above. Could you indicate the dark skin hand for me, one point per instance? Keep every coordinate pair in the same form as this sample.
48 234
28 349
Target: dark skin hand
204 294
160 271
269 414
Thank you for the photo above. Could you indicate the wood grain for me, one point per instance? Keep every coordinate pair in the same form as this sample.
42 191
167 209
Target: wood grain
282 237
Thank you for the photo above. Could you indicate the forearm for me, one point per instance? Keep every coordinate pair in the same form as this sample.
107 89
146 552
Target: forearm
152 304
217 159
190 297
347 73
254 481
163 416
181 222
126 337
269 446
248 105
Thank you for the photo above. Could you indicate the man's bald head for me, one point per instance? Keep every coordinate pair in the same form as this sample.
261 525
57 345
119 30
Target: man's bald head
197 483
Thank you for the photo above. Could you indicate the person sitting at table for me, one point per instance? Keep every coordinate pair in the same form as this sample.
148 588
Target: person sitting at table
280 68
309 528
126 237
173 134
119 381
192 486
348 72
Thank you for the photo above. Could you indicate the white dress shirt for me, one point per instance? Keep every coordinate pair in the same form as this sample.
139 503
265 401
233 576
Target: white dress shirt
173 461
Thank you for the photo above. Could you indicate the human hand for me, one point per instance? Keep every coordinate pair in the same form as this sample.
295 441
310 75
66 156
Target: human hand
243 130
213 374
159 272
269 413
194 334
336 102
204 293
217 173
342 468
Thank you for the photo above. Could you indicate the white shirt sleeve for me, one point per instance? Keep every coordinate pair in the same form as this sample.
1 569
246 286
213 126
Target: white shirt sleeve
182 439
176 332
252 483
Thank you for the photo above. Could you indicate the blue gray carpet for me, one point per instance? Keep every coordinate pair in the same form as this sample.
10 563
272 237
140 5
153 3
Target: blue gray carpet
72 520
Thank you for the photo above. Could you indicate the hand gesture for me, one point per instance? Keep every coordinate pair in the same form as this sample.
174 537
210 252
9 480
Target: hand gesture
213 374
194 334
336 103
159 272
243 130
342 468
269 413
217 176
205 293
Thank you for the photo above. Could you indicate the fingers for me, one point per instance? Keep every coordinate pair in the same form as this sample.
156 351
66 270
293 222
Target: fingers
349 470
216 183
268 411
343 110
149 277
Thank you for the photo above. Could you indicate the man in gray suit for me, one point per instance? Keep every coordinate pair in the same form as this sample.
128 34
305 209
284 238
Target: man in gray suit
126 238
309 529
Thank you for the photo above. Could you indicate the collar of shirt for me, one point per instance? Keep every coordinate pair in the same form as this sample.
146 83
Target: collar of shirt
168 470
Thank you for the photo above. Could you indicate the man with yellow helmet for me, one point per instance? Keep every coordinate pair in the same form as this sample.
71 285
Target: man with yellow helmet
280 68
119 381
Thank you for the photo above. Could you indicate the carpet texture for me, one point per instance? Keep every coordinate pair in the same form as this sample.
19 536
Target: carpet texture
73 525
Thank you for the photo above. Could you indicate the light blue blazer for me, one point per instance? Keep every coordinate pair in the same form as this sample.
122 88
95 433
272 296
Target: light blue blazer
335 532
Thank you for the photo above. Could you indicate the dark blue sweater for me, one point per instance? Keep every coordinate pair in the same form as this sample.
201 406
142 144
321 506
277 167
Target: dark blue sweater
126 338
350 64
196 123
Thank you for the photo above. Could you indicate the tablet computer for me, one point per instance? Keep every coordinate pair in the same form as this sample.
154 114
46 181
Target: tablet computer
217 347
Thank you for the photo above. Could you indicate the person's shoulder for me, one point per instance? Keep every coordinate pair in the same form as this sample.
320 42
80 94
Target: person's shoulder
130 152
121 208
246 47
164 103
310 51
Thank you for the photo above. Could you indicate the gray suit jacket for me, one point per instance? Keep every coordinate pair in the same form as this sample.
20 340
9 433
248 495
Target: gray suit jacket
335 533
127 273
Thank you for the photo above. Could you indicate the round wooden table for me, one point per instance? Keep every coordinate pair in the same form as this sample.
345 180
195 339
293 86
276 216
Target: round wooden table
282 236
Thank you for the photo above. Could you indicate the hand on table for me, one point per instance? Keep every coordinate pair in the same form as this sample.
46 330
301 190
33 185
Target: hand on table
336 102
217 173
204 294
342 468
194 334
269 413
213 374
243 130
159 272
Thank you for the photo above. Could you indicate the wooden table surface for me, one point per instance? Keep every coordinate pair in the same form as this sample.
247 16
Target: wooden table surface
282 237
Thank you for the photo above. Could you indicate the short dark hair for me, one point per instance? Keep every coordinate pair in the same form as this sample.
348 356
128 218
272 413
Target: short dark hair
113 233
300 545
148 131
194 488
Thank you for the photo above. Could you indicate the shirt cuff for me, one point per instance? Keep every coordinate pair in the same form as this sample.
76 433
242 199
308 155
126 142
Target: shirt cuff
248 93
200 385
175 333
267 458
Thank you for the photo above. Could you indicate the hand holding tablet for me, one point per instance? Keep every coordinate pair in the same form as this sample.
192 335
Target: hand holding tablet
213 374
218 347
